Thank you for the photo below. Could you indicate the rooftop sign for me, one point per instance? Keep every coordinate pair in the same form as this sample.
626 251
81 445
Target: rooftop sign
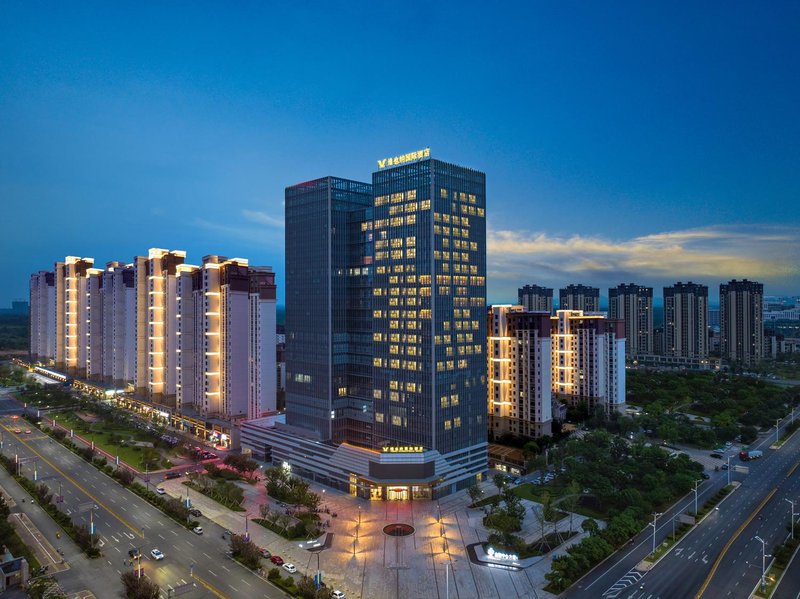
404 449
405 158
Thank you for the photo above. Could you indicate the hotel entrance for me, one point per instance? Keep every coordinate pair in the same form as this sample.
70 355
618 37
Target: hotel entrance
397 493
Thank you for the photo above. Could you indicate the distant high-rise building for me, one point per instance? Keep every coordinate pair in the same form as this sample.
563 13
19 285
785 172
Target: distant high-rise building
385 332
42 316
713 318
519 391
536 299
633 304
588 360
579 297
741 321
686 320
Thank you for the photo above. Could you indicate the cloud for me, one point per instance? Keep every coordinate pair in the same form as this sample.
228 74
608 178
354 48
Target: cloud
262 218
710 255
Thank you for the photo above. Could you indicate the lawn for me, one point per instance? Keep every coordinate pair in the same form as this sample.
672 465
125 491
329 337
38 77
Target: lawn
103 433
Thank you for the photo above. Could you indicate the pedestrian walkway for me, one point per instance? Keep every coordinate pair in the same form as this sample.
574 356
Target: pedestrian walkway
45 553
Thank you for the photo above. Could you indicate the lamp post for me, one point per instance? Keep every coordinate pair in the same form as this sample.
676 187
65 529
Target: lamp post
763 560
653 524
729 470
696 484
777 429
447 579
792 502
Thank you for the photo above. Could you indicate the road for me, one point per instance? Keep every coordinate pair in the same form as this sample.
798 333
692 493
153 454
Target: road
721 549
124 521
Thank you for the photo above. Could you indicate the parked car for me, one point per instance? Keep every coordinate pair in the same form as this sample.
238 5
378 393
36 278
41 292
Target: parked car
160 491
198 530
706 476
277 560
724 466
27 431
195 512
290 568
716 455
264 552
157 555
337 595
171 475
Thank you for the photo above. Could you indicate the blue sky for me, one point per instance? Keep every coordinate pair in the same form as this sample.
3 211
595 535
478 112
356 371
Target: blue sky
622 141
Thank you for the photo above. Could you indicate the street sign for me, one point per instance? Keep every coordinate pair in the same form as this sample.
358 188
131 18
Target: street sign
742 469
686 519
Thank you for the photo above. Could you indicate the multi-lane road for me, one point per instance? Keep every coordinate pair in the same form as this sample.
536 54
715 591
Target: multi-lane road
720 557
123 521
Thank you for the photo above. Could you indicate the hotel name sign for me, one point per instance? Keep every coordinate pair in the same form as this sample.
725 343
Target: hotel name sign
405 158
404 449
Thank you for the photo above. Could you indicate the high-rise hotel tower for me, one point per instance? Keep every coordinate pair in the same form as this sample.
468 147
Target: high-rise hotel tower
385 332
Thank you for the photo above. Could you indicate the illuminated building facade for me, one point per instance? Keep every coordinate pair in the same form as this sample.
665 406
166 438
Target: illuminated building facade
519 390
225 338
43 317
633 304
588 360
385 332
686 321
741 321
536 299
93 317
156 316
71 325
579 297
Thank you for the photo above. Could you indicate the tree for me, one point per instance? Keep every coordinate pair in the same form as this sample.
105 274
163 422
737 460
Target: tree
150 457
124 476
308 590
139 587
570 500
590 525
475 493
499 481
245 551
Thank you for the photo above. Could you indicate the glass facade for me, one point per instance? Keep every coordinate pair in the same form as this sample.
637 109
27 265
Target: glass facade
322 253
429 298
386 331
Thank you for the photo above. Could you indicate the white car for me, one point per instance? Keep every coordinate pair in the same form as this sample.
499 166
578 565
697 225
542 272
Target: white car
198 530
290 568
157 555
160 491
337 595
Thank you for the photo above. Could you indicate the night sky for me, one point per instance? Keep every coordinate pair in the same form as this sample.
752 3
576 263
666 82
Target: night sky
622 142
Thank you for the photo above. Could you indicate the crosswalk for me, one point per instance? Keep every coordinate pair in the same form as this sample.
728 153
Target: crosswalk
623 583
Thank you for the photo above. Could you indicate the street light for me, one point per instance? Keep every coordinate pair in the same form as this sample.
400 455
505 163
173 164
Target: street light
777 429
696 484
729 470
764 557
792 502
653 524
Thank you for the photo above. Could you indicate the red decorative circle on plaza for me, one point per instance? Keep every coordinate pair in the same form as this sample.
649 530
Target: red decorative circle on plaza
398 530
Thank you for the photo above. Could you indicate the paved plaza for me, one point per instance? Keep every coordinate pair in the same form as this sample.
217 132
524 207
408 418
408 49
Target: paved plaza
367 564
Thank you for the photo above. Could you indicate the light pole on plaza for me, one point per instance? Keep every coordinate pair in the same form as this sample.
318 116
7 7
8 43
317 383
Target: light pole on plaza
653 524
763 559
696 484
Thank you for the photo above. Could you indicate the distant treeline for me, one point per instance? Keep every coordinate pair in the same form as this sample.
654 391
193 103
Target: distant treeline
14 332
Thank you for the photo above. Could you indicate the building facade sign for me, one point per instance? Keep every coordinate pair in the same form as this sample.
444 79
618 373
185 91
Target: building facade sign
405 158
404 449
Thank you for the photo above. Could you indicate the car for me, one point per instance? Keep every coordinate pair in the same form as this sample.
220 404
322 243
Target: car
337 595
716 455
18 430
160 491
198 530
27 431
195 512
171 475
277 560
134 553
290 568
264 552
517 481
724 466
157 555
706 476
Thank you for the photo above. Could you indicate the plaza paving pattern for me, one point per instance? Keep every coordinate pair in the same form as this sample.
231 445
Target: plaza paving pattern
365 563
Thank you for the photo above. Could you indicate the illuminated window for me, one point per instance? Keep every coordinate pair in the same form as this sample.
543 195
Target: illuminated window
411 219
457 421
425 205
396 421
376 362
444 401
378 416
448 424
442 193
377 393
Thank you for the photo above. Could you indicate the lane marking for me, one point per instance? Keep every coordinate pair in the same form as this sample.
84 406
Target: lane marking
77 484
730 542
